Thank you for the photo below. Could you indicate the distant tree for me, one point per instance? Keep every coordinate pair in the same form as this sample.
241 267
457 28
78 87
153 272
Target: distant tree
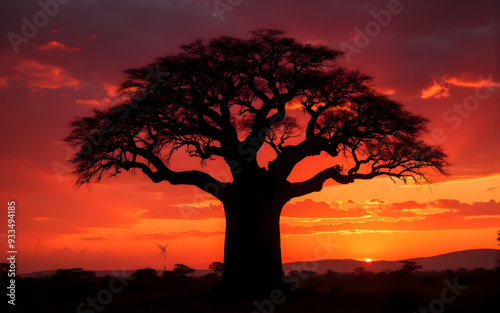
168 275
360 270
171 280
228 98
73 274
181 270
4 268
145 272
381 276
72 282
144 279
481 273
217 268
449 273
330 274
410 266
294 273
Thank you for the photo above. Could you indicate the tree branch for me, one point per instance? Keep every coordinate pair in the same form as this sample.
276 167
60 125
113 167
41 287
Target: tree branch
316 182
199 179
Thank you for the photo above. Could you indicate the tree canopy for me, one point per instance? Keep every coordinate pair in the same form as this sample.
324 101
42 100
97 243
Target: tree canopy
228 97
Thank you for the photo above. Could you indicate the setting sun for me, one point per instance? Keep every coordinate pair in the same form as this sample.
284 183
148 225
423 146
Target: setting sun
368 260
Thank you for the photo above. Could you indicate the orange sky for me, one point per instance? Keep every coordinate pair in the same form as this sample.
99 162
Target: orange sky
442 70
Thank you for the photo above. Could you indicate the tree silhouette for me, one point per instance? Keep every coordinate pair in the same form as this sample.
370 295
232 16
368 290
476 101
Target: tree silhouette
229 98
145 274
4 268
360 270
410 266
145 278
181 270
217 268
72 274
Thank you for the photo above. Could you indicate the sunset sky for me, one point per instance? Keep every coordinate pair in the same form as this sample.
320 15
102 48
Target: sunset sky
439 58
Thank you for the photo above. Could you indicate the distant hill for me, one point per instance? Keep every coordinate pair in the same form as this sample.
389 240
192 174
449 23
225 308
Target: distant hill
469 259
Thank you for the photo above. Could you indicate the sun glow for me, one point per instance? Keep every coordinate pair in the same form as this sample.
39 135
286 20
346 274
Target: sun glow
368 260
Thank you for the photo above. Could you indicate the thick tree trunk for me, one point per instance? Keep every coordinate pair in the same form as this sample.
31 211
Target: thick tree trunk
252 250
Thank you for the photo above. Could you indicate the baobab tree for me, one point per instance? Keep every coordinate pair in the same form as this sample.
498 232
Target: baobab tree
228 98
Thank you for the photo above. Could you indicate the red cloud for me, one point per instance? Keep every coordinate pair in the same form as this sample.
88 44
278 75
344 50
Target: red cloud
176 235
458 217
94 238
56 46
441 89
471 83
440 221
376 201
479 208
185 213
401 209
312 209
36 76
93 102
475 209
157 237
112 95
196 233
436 90
446 203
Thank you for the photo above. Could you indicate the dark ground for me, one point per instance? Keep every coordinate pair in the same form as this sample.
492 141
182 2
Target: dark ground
74 290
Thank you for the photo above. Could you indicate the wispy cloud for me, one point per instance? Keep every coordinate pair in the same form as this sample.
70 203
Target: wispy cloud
176 235
35 75
412 216
94 238
441 89
436 90
56 46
